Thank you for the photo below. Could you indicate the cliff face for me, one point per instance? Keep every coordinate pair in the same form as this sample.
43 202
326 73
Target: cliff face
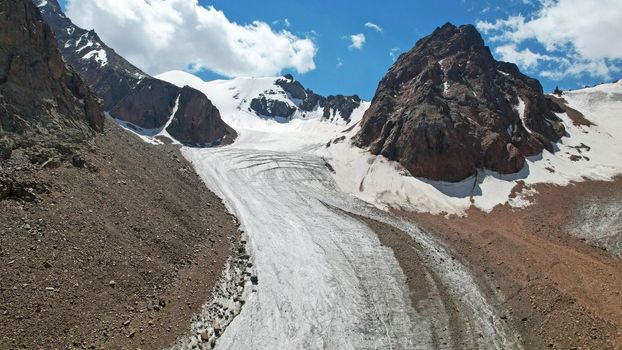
447 108
190 127
42 101
129 94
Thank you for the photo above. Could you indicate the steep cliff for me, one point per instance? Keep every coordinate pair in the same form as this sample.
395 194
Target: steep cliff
447 108
45 107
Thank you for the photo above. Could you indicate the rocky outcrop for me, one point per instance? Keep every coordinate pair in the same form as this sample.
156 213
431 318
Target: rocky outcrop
43 103
189 125
303 100
341 105
129 94
447 108
294 88
272 108
149 106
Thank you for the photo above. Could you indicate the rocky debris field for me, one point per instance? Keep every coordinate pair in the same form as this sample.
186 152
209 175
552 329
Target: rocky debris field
562 291
597 220
238 280
114 248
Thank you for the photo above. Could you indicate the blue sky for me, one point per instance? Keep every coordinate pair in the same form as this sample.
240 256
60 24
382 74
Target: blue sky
340 68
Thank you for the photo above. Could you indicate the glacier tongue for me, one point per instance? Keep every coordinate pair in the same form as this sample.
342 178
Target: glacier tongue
325 281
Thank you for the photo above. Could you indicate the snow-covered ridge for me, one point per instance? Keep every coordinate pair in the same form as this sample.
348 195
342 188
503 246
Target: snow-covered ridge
233 98
250 90
585 152
88 46
235 95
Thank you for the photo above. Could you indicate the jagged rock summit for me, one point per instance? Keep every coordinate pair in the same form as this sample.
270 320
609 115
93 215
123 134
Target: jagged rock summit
289 96
130 94
447 108
44 106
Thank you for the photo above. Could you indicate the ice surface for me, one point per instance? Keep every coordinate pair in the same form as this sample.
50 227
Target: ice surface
325 280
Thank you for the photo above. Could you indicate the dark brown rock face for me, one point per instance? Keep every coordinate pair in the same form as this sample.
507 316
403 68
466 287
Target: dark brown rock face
190 127
129 94
41 100
148 106
447 108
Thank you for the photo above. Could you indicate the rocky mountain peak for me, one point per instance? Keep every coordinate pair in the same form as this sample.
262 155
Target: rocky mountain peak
468 33
447 108
128 93
303 101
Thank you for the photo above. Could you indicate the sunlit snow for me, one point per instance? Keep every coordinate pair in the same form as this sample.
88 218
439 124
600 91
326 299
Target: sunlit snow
325 281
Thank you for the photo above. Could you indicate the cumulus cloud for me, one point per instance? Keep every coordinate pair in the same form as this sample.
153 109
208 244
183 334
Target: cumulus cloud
583 32
373 26
579 68
524 58
358 40
175 34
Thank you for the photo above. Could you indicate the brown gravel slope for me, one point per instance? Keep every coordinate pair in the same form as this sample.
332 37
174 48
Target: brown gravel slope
561 292
116 254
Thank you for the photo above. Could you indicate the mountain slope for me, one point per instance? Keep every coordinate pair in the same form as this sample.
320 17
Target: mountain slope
130 94
447 108
42 102
102 236
270 99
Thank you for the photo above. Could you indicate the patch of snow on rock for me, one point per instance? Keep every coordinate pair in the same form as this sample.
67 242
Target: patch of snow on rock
520 108
98 55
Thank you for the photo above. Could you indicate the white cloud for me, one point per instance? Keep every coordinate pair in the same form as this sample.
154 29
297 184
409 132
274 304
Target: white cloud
358 40
287 22
175 34
373 26
584 32
524 58
576 69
